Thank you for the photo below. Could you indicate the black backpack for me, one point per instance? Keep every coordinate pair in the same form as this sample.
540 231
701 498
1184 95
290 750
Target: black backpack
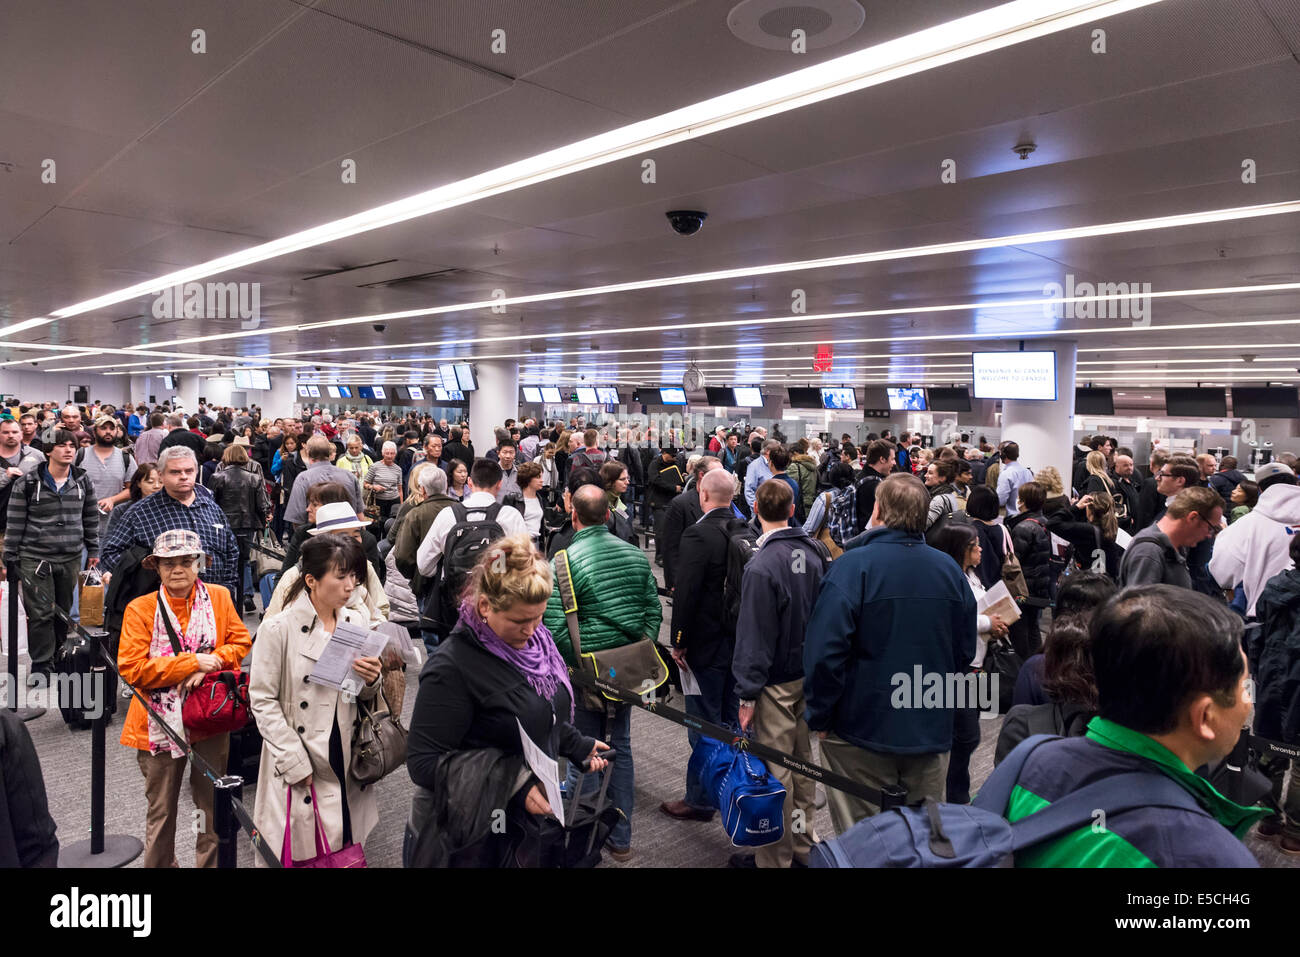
461 550
742 543
950 515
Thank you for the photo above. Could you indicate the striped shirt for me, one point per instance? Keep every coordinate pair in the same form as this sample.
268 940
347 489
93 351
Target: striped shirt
389 476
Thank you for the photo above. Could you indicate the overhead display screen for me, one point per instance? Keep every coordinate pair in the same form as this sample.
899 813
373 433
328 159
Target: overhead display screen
586 396
465 377
839 399
1265 403
331 390
906 400
671 396
532 393
1198 403
417 393
1014 375
551 394
805 398
313 391
1094 402
949 400
252 379
302 392
748 395
606 395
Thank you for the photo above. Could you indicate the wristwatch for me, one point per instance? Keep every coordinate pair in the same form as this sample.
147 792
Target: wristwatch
747 704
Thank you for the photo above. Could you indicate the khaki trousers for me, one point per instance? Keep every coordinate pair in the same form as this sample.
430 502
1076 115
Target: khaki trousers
922 775
162 791
779 724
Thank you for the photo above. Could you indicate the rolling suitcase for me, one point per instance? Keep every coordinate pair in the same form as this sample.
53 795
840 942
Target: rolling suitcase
71 685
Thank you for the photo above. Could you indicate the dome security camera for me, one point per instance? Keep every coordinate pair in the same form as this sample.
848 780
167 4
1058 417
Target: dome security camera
379 327
686 222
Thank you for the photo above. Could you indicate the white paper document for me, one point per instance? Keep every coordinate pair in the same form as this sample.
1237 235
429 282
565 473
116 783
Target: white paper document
400 643
998 601
1122 538
1060 547
348 643
547 771
689 684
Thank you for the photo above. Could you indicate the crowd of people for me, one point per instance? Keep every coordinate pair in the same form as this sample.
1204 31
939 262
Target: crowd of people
800 580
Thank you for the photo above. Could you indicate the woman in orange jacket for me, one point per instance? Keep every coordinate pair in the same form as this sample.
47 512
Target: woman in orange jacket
212 638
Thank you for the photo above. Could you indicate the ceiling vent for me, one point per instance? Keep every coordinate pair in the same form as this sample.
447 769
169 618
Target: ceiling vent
771 24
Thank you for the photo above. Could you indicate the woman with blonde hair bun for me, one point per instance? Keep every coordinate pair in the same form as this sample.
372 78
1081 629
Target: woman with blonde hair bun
497 671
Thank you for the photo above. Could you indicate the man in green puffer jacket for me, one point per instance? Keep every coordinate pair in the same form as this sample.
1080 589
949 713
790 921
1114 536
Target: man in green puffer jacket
803 469
618 603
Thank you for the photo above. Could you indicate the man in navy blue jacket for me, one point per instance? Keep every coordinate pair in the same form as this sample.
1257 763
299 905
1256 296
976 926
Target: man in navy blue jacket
888 642
777 593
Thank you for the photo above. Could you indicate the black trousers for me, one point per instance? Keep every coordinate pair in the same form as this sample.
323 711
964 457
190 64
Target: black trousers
1025 637
965 739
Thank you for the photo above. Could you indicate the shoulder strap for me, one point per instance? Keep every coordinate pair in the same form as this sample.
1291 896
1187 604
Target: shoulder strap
995 795
1111 795
80 457
564 582
491 512
167 622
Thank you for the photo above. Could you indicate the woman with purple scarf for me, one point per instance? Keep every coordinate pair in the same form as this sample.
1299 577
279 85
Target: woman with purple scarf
477 803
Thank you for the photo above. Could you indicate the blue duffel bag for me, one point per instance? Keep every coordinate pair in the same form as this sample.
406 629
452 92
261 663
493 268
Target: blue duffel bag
977 835
752 802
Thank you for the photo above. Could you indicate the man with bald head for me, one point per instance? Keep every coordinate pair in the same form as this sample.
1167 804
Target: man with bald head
683 512
703 636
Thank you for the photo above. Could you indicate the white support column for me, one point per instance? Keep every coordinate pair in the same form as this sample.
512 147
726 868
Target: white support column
495 400
1045 430
278 403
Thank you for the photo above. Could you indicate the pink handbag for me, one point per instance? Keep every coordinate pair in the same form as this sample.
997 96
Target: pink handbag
351 855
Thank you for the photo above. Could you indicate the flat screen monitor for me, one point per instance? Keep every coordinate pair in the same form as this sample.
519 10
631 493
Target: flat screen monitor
313 391
906 400
302 392
417 393
1199 403
607 395
956 399
839 399
718 395
586 395
379 392
532 393
551 394
252 379
1014 375
401 393
1265 403
345 391
748 396
875 398
447 372
649 397
366 391
169 382
440 394
805 398
1094 402
331 390
670 395
465 377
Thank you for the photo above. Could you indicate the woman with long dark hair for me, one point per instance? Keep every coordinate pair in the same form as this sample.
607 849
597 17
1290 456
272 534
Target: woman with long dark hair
307 727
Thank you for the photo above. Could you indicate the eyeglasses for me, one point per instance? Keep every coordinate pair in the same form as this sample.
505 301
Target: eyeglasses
1214 529
1162 474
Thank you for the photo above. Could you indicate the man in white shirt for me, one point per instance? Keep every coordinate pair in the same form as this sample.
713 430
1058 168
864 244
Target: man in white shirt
484 484
1011 476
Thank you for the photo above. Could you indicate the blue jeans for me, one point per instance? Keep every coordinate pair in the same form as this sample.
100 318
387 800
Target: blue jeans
716 702
267 587
621 787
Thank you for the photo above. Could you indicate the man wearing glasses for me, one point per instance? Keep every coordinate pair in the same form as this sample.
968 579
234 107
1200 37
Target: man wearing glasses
1156 554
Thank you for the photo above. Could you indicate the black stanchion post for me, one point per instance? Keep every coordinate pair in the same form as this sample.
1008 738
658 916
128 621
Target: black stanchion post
14 580
101 850
225 791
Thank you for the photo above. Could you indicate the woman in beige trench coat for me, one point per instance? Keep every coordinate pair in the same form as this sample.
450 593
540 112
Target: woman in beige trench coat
307 727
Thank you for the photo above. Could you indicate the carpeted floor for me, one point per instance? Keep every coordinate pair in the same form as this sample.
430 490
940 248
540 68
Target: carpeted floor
660 753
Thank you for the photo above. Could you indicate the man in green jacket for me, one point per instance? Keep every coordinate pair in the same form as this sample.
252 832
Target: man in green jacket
618 603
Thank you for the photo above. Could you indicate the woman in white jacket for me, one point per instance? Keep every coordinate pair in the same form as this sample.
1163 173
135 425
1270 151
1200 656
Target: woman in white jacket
307 727
961 542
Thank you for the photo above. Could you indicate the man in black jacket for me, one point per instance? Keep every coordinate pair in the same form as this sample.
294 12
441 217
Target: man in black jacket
776 599
27 832
1128 487
666 481
880 462
457 449
179 435
683 512
702 637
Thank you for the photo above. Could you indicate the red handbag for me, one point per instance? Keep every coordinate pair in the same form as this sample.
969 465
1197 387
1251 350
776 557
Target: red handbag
350 855
220 702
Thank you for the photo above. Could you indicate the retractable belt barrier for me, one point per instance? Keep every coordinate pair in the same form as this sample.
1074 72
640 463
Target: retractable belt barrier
889 797
229 812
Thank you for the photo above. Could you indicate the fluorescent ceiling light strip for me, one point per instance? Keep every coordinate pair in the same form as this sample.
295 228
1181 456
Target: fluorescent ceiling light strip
25 325
909 252
946 43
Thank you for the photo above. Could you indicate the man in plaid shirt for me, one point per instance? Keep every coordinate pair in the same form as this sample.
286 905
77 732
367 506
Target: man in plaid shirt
180 505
